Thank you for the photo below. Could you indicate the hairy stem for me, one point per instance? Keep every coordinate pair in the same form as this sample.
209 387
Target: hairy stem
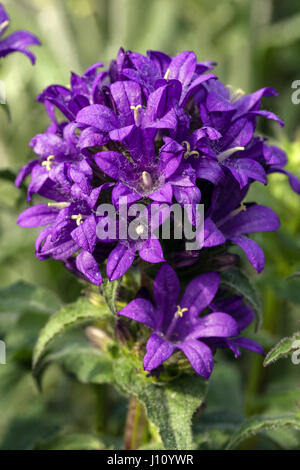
134 425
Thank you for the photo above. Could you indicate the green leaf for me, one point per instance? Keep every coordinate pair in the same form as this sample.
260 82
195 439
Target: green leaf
23 297
287 289
73 441
71 315
8 175
282 349
239 284
260 423
88 364
110 290
169 406
6 109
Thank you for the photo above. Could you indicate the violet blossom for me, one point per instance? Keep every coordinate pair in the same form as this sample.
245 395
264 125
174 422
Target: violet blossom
19 41
177 324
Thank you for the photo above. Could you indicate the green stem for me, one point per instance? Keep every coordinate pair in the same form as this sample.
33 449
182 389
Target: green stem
134 425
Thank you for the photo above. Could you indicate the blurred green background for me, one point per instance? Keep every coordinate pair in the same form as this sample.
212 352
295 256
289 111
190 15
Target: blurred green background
256 43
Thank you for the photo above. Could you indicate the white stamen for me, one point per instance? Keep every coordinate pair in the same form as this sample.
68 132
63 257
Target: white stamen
59 205
147 180
227 153
3 25
166 76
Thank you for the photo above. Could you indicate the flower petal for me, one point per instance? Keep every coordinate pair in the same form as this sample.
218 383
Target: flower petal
151 251
119 261
158 351
255 218
114 164
200 292
98 116
199 355
85 234
37 216
166 288
88 266
252 250
216 325
140 310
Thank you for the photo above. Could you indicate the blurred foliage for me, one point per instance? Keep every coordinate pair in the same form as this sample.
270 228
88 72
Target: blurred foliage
256 43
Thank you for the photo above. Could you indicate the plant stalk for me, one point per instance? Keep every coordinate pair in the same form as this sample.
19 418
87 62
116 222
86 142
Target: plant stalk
134 425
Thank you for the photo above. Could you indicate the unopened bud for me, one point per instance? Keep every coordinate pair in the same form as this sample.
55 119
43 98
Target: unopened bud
99 338
223 262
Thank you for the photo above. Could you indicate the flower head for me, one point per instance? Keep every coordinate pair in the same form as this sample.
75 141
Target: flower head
153 129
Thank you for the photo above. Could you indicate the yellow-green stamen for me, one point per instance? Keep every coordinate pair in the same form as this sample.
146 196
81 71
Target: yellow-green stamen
78 218
241 208
136 112
180 311
166 76
48 162
188 153
235 94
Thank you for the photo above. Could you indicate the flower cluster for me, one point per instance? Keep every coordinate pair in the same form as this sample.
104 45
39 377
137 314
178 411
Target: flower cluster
156 130
17 41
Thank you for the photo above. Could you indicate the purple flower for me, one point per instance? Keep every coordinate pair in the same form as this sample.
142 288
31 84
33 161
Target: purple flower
146 176
244 316
177 323
140 237
229 219
70 221
17 41
155 129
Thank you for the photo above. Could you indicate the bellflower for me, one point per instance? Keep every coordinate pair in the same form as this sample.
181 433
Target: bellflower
19 41
155 129
70 221
177 324
229 219
244 316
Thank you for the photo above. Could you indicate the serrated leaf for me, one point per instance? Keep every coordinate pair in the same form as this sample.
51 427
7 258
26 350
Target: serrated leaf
282 349
71 315
169 406
239 284
88 364
110 290
73 441
260 423
23 297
